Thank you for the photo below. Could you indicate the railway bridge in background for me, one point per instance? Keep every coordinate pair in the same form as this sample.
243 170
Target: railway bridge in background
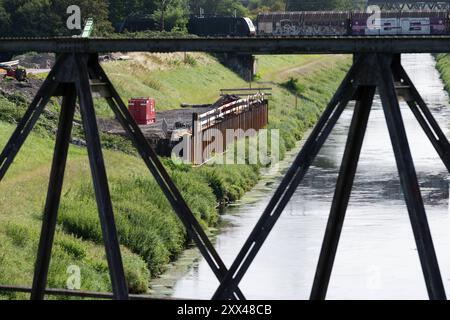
78 76
410 4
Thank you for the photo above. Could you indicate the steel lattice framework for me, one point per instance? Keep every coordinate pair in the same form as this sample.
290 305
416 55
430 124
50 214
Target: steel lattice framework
400 5
244 45
77 76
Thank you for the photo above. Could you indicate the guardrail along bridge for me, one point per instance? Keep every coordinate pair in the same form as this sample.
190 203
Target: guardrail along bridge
78 76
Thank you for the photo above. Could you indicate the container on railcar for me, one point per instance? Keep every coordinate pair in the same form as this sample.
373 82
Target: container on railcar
401 23
303 23
326 23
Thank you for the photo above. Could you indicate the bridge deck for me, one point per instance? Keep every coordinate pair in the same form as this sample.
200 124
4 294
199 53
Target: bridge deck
254 45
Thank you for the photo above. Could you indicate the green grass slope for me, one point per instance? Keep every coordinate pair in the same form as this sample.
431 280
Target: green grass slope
443 66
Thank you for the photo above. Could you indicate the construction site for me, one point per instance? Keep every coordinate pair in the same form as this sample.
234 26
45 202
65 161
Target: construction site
235 108
165 129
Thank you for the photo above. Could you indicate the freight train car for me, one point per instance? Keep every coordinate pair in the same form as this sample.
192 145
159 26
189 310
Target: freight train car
401 23
303 23
353 23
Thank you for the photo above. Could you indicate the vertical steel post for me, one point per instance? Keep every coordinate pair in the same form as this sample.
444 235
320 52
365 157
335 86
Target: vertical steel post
425 118
342 192
54 194
408 180
100 181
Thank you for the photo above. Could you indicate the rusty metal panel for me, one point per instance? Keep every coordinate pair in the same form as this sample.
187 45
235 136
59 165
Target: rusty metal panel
242 114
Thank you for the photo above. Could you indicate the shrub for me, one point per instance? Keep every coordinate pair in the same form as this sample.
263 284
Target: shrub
72 247
19 234
190 60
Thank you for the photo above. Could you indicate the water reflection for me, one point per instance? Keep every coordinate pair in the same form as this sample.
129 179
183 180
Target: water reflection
377 258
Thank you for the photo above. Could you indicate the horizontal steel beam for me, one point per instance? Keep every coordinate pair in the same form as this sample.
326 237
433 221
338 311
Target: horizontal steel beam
80 293
252 45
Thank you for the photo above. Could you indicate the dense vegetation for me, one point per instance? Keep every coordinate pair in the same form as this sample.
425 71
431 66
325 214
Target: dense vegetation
149 231
312 5
48 17
443 66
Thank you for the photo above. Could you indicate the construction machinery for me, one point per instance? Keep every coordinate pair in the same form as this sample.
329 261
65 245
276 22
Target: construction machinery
11 69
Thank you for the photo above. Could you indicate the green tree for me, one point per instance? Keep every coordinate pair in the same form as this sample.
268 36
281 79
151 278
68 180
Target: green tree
266 5
343 4
5 20
119 10
310 5
360 4
33 18
171 14
304 5
96 9
218 7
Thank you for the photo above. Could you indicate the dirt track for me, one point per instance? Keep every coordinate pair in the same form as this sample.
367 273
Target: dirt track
304 69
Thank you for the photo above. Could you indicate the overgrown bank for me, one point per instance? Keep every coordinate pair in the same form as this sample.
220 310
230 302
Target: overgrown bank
443 66
150 233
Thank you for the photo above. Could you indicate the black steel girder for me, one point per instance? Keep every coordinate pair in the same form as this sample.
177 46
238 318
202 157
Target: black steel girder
251 45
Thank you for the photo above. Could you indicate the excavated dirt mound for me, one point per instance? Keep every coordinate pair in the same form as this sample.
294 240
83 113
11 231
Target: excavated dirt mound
180 116
175 118
35 60
28 89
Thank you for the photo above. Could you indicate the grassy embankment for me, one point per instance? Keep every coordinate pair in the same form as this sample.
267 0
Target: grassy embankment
150 233
443 66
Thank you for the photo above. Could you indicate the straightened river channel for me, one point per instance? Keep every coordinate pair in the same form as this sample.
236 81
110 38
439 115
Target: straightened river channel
377 256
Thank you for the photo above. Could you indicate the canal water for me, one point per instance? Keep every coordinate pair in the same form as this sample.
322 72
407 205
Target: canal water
377 257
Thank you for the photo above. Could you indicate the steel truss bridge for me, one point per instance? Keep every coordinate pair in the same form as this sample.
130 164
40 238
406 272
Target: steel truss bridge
250 45
77 76
399 5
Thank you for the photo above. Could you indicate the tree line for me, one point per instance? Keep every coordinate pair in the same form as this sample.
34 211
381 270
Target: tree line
312 5
19 18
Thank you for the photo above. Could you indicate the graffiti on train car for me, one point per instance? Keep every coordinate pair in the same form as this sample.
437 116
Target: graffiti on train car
353 23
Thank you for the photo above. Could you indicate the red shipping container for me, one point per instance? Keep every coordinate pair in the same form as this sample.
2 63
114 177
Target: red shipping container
142 110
